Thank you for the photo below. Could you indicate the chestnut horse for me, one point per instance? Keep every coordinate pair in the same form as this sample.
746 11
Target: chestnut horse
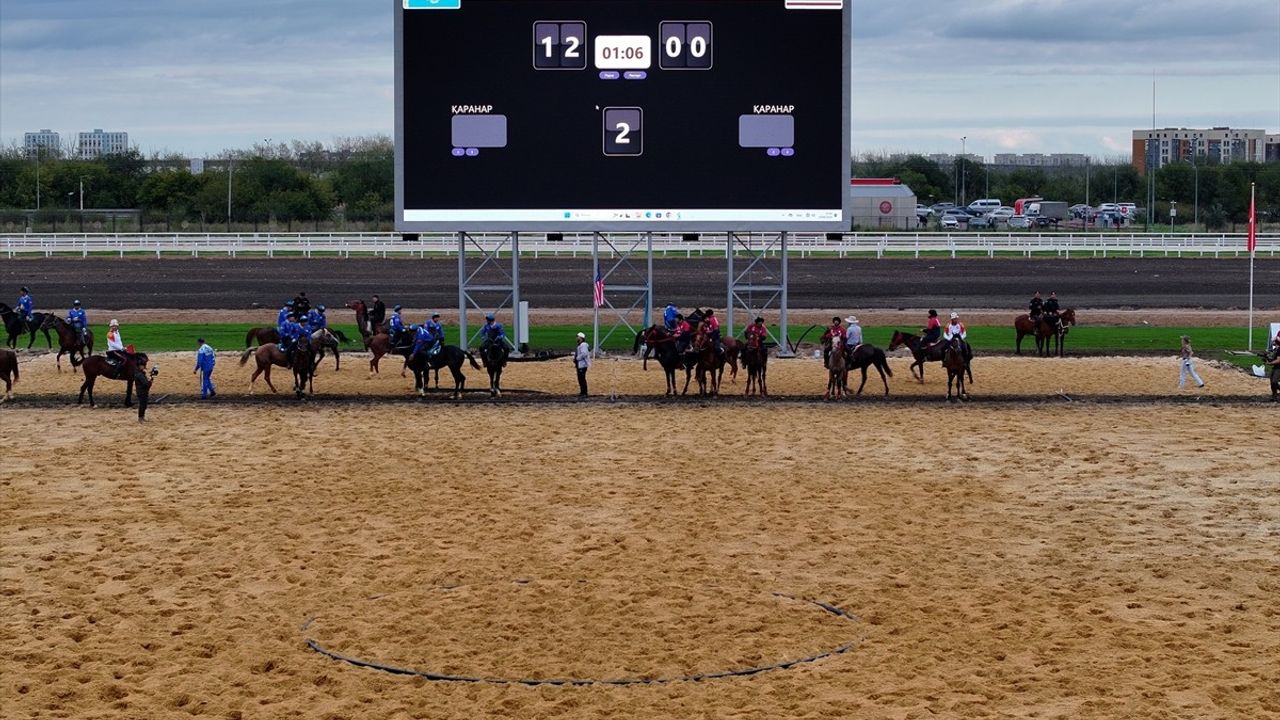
8 372
755 358
953 360
1043 330
837 369
132 372
270 355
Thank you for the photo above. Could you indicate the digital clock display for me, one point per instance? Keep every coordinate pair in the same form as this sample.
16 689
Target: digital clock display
624 52
622 115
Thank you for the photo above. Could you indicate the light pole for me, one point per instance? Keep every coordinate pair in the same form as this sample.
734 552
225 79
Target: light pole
82 194
1196 211
38 178
230 167
963 173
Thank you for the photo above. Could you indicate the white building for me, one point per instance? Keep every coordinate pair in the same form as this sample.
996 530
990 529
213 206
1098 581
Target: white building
1041 160
47 140
883 204
98 143
1157 148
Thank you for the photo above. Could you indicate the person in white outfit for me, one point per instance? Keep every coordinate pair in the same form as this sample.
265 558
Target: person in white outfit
582 361
1186 365
115 343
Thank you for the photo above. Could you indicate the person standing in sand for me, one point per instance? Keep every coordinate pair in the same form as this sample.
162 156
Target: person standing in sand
582 361
204 365
1186 364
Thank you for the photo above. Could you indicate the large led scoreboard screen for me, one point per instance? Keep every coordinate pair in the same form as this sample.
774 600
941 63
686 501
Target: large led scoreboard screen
622 115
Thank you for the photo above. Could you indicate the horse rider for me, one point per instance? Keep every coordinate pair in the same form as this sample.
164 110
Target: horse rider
932 332
396 328
282 317
492 331
1035 307
115 344
437 334
26 307
301 304
683 334
834 333
316 318
1051 311
853 333
711 324
756 334
669 316
423 338
290 333
955 332
78 320
377 314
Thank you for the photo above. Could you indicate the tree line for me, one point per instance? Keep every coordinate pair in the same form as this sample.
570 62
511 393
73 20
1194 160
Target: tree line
1223 189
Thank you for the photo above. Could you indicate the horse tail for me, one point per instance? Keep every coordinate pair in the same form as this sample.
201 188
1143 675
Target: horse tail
341 337
883 363
244 356
472 358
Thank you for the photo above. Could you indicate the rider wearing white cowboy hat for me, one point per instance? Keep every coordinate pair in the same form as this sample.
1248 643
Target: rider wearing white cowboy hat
115 343
955 330
853 332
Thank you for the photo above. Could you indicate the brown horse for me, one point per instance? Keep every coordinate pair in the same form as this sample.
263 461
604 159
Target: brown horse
733 348
69 340
380 345
132 371
862 357
709 365
923 354
262 336
755 358
953 360
837 369
267 356
362 320
1044 331
8 372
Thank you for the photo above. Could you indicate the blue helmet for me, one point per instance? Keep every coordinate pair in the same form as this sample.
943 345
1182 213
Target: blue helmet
320 308
76 303
396 308
490 316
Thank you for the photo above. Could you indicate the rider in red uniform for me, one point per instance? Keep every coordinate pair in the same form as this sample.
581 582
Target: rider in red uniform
932 330
682 333
829 338
756 334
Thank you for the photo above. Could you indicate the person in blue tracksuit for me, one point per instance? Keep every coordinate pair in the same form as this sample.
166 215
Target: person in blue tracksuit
437 333
290 331
283 317
423 339
78 320
669 316
492 331
316 318
26 305
204 365
396 326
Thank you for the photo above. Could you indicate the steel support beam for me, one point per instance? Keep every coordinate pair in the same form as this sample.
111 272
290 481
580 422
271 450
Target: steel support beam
763 275
489 277
617 267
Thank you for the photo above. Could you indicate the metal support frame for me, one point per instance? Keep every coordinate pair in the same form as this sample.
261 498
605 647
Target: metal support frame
637 285
761 275
470 281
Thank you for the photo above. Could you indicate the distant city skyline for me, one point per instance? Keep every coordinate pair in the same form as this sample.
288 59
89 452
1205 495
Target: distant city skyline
1020 76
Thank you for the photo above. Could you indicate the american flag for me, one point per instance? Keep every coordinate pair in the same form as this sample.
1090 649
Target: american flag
598 289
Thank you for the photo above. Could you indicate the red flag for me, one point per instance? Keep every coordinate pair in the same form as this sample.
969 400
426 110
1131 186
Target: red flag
1253 221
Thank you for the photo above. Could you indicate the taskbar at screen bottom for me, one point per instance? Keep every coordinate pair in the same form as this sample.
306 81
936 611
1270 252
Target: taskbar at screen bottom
661 219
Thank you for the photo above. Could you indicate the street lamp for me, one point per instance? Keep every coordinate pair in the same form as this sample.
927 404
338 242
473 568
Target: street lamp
1196 213
963 173
230 168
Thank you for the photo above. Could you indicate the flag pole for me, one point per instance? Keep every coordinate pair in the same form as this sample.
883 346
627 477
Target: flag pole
1253 252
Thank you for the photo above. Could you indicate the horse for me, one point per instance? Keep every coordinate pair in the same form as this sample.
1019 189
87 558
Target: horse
380 344
15 326
450 356
69 340
662 344
328 339
304 369
922 354
837 370
755 358
362 320
132 371
262 336
709 364
8 372
494 356
862 357
733 348
954 361
1272 358
1043 331
267 356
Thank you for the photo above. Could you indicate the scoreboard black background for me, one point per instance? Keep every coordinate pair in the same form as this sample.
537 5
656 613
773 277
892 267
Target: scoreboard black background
482 54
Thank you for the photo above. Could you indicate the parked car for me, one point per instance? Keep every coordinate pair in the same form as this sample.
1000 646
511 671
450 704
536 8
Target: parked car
949 222
984 206
983 222
941 207
1081 211
923 212
1021 222
1107 208
1002 214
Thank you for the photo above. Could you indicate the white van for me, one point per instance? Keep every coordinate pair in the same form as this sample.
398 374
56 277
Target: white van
982 207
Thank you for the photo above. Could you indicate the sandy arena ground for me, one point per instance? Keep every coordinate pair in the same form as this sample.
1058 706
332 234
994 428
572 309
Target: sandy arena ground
1074 561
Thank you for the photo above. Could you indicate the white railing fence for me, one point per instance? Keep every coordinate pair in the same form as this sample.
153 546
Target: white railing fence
575 245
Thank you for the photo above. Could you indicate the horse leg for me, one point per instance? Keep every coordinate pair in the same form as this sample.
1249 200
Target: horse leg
266 375
459 380
688 373
864 379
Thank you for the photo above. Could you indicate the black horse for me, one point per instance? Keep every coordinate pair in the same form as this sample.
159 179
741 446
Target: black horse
16 326
450 356
303 362
494 356
863 357
659 341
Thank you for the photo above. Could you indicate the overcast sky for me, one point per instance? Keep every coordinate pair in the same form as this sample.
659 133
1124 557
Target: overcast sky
1012 75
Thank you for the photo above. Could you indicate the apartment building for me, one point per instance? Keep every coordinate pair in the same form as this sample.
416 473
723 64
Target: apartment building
45 140
1157 148
98 143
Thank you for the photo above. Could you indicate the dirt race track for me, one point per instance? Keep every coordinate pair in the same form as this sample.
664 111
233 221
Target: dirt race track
1048 561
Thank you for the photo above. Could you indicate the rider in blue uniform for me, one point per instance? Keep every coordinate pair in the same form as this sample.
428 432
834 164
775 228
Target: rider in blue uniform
396 326
290 331
77 319
283 317
423 338
26 306
669 316
492 331
434 327
316 318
